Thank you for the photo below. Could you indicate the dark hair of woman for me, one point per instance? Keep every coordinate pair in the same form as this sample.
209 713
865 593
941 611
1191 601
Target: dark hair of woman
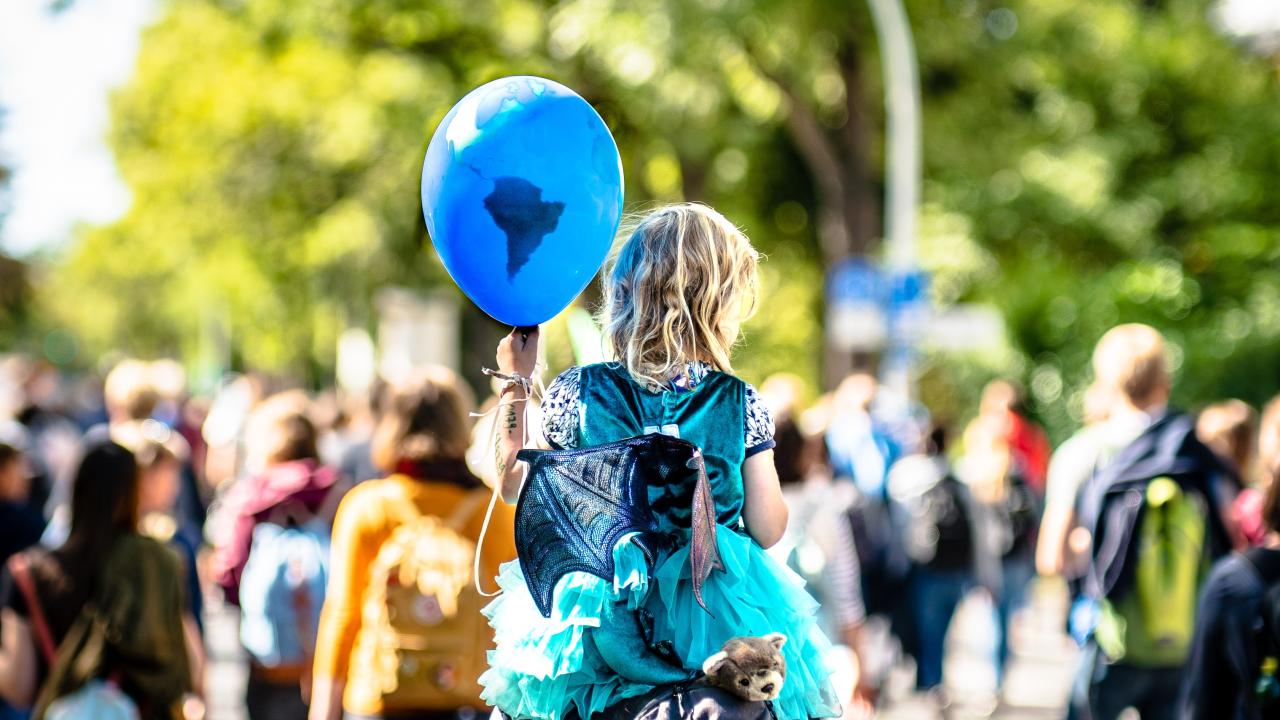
792 452
104 507
424 420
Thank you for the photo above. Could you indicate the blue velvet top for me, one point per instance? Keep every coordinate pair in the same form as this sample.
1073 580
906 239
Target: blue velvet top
709 414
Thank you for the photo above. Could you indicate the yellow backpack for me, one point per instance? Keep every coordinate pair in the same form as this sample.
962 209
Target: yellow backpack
429 640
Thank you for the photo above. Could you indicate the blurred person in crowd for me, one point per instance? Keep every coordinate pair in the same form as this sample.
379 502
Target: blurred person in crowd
331 418
130 394
859 448
818 541
401 634
1230 428
1070 466
107 604
130 399
1003 424
31 421
169 380
1235 654
1004 453
860 452
223 429
20 523
796 456
1154 514
274 532
1268 458
191 418
1062 546
160 454
941 538
356 460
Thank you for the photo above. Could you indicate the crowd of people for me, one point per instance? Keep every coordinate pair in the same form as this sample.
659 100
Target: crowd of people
357 534
117 522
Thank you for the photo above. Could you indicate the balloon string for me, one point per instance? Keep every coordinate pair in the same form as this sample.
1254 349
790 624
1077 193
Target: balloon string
533 390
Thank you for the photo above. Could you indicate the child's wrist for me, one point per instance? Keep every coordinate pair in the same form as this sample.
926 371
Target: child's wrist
511 380
513 390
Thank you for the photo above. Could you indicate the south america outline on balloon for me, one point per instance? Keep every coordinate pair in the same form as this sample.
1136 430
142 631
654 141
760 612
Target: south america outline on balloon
522 167
517 208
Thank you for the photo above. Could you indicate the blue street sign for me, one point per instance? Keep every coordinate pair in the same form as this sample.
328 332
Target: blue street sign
856 280
908 288
869 305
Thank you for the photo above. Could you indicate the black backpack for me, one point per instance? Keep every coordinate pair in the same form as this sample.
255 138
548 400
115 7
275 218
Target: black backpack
940 534
1108 509
1018 516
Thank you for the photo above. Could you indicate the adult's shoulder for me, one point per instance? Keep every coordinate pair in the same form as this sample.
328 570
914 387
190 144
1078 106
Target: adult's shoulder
372 494
136 544
135 555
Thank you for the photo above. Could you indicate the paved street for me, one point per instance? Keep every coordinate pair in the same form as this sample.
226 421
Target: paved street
227 672
1039 678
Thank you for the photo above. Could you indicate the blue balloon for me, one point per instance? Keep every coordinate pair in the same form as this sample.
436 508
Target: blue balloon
522 193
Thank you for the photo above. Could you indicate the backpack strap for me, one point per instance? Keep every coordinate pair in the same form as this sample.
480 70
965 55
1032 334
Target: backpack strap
21 571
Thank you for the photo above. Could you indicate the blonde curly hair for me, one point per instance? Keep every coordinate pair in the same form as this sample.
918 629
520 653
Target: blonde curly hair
678 289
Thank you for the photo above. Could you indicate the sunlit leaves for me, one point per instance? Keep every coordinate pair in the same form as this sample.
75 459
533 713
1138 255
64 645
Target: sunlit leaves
1087 162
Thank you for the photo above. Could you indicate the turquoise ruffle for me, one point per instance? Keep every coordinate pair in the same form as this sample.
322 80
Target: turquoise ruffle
541 667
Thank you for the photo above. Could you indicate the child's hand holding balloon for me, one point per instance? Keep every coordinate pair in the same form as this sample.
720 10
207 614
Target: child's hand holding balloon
518 352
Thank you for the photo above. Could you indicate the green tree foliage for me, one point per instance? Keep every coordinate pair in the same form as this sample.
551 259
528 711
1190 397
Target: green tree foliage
15 300
15 288
1107 162
1087 162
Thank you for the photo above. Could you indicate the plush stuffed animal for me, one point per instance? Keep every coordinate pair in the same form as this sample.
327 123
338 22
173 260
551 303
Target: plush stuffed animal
750 667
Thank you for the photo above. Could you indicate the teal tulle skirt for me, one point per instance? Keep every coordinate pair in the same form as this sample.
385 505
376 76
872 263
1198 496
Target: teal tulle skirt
542 667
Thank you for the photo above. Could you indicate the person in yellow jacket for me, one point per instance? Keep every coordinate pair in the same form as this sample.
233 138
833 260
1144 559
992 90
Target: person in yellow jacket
401 634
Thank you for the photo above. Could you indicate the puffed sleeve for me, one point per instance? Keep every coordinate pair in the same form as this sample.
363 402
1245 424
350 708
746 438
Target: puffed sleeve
560 410
758 423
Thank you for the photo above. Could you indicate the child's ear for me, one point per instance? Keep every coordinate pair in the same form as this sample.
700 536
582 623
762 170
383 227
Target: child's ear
777 640
713 664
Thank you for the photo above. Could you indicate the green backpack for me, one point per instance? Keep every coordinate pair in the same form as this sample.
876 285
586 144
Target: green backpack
1151 625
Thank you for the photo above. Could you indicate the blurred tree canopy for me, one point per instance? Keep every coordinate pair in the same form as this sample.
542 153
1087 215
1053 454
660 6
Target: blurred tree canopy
1087 162
15 288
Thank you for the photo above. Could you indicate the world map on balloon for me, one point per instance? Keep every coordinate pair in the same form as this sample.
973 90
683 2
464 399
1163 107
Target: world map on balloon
522 194
518 209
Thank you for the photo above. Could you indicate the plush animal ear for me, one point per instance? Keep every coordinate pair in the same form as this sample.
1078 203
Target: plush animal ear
713 664
777 640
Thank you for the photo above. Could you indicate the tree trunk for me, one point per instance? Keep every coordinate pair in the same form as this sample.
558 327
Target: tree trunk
862 203
848 208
